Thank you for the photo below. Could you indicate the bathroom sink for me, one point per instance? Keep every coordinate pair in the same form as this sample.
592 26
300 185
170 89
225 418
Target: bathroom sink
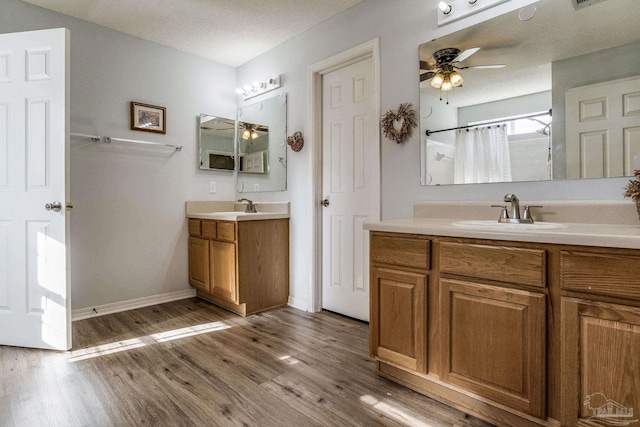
508 226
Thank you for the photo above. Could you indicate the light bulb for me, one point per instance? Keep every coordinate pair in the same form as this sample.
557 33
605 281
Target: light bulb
436 81
254 135
246 134
444 7
446 85
456 79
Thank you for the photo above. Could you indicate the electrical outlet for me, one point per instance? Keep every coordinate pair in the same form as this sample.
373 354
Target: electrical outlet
212 187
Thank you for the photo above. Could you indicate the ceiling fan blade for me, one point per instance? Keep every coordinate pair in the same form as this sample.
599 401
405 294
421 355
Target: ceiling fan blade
464 55
481 67
426 65
426 76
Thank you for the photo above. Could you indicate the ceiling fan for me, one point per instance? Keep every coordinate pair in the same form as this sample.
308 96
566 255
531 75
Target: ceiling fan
443 72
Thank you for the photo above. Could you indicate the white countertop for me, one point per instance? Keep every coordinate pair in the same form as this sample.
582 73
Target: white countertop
234 211
604 235
238 216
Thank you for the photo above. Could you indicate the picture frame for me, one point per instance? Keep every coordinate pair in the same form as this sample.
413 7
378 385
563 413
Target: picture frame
148 118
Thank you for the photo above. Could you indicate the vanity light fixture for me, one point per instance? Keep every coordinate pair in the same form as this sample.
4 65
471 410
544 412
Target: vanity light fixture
444 7
258 88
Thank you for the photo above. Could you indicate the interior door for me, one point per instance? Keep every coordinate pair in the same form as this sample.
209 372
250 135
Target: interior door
603 129
34 168
350 186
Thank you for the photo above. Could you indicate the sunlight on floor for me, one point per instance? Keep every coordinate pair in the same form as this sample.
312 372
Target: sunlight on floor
396 414
104 349
289 360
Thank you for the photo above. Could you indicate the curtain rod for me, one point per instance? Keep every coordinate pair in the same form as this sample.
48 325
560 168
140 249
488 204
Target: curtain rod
108 139
430 132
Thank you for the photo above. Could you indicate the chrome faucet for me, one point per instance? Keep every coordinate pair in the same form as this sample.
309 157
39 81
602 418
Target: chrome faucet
515 205
515 211
251 208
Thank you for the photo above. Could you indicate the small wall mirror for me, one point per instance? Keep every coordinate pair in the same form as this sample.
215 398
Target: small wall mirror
216 142
262 146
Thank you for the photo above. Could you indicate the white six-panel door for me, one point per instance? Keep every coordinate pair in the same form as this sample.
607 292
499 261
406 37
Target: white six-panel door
351 185
603 129
34 243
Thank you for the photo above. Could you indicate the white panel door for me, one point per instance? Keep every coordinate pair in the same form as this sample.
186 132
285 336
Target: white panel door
603 129
350 185
34 249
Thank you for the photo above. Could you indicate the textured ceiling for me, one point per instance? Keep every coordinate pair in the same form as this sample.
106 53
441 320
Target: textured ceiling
226 31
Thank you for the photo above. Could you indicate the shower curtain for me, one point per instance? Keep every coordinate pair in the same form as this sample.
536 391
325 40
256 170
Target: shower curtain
482 155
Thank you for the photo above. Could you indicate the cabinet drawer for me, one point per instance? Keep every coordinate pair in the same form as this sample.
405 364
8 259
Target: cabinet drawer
499 263
195 227
209 229
402 251
226 231
603 274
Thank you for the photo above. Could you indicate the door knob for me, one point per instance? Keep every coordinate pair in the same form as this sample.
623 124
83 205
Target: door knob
55 206
325 202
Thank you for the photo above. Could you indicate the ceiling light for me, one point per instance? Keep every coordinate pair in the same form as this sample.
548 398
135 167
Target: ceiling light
456 79
437 80
446 84
246 134
444 7
254 134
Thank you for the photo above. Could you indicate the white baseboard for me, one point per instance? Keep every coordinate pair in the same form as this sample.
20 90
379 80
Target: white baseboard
116 307
298 303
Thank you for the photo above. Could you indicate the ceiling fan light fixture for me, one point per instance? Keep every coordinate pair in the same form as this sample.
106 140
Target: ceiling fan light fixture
437 80
446 84
246 134
444 7
456 79
254 134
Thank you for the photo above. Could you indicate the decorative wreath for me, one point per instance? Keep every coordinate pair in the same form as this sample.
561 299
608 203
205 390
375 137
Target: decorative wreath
296 141
399 126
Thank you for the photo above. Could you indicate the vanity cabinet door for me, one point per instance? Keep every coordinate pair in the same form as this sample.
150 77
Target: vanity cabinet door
600 366
493 343
199 263
223 270
399 317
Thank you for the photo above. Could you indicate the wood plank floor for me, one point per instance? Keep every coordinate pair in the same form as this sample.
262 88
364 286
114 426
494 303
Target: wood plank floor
190 363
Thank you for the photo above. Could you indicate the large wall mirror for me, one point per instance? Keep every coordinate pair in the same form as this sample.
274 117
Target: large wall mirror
566 103
216 142
262 146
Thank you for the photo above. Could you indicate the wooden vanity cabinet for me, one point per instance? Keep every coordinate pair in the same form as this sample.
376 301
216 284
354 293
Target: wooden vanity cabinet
199 263
493 326
516 333
600 339
398 299
242 266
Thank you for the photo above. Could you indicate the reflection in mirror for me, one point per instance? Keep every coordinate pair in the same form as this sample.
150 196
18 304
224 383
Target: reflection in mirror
262 148
580 65
215 140
253 148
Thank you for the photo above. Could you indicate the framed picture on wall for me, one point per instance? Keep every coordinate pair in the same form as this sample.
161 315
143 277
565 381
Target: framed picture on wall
149 118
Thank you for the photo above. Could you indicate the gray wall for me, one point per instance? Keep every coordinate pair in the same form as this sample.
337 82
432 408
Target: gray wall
128 230
526 104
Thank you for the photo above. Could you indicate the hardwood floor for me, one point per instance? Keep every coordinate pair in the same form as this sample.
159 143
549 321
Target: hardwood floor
191 363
